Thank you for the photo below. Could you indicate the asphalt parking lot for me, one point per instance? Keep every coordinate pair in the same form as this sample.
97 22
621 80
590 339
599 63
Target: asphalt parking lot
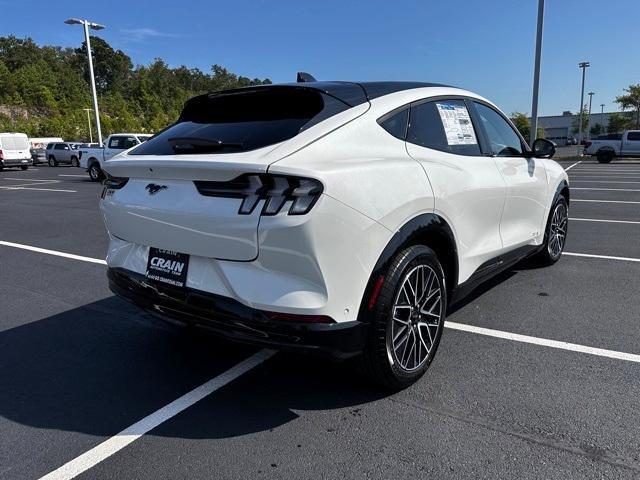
536 376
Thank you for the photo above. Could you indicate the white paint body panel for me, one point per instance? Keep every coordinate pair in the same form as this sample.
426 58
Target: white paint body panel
321 262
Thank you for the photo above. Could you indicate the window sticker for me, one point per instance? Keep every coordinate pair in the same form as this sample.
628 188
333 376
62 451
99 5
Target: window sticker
457 124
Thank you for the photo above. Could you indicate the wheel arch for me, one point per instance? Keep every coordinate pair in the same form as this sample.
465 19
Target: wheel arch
427 229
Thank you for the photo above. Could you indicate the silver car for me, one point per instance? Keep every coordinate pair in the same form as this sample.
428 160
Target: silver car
62 152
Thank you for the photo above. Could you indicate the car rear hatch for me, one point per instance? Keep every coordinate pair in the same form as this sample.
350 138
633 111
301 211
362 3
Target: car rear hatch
15 148
186 186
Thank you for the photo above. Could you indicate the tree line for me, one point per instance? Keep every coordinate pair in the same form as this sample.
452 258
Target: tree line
44 89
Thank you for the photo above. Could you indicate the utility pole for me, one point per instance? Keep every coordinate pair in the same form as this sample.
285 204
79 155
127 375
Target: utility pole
89 123
536 74
583 66
94 26
602 117
591 94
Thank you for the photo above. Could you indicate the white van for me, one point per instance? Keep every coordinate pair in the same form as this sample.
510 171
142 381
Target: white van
14 150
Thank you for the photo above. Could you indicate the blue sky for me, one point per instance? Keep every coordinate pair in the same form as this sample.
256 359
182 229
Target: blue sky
484 45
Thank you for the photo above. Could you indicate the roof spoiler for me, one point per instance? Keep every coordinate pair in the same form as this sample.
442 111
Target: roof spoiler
304 77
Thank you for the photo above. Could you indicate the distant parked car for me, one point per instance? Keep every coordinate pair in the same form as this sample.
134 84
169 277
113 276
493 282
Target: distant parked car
39 148
14 150
63 152
92 159
572 141
622 145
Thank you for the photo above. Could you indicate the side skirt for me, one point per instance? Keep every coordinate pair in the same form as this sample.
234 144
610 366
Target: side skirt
492 268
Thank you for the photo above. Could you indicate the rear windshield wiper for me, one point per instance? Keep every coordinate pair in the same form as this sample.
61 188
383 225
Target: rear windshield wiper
200 145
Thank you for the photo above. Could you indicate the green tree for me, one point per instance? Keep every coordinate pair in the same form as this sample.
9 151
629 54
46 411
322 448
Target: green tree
631 99
596 130
575 124
43 89
523 124
618 122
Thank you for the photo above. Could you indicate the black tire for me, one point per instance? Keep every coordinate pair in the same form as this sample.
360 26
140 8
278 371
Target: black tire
24 167
550 255
605 156
95 173
52 161
381 359
75 162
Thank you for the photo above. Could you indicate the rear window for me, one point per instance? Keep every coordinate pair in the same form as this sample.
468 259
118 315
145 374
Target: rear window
242 120
14 143
633 136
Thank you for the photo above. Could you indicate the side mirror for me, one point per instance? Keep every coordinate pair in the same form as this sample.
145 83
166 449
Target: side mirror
543 148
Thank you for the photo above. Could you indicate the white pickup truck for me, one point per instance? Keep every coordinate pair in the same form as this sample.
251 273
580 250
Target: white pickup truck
626 144
92 159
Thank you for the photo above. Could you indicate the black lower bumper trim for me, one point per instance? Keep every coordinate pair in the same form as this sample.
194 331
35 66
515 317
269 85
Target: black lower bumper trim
236 321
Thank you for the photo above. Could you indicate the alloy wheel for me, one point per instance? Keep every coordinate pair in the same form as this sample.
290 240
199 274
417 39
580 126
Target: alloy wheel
558 230
416 317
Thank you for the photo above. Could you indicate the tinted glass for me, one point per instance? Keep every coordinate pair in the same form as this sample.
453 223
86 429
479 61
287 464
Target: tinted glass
129 142
503 139
427 127
8 143
242 120
116 142
633 136
396 124
60 146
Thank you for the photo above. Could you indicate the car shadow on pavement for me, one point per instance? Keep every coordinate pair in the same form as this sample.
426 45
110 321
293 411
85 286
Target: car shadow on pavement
99 368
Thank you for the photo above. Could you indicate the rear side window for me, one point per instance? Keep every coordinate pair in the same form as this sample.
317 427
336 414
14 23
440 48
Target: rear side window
633 136
396 123
443 125
60 146
242 120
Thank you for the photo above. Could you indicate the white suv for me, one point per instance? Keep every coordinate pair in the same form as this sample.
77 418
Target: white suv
332 217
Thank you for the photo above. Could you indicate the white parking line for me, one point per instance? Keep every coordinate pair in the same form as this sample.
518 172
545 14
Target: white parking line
53 252
608 189
130 434
83 176
601 201
602 220
573 347
601 181
604 257
39 189
571 166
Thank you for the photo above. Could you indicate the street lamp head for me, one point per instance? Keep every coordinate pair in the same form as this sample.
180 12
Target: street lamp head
78 21
591 93
584 64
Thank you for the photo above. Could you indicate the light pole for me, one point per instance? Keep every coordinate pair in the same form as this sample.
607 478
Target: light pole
536 74
94 26
591 94
89 123
602 117
583 66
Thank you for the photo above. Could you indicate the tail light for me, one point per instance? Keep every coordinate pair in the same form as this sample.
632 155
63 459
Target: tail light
587 144
275 190
111 184
1 155
115 183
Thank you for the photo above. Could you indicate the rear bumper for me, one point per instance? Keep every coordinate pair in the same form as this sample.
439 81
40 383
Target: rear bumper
18 162
236 321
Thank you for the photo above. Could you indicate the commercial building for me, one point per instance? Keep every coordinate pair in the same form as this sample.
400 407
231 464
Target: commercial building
559 128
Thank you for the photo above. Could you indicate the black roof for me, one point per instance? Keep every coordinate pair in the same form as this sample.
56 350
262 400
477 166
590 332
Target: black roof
351 93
